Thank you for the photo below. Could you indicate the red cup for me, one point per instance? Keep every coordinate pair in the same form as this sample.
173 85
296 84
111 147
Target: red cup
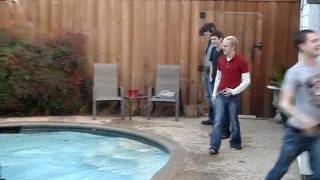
132 93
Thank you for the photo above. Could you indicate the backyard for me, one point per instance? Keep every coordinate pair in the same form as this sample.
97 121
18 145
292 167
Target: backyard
51 51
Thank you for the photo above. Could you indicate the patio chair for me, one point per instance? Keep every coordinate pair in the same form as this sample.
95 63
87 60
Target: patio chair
167 79
105 86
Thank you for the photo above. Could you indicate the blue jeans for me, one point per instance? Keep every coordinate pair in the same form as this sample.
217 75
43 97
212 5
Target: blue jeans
208 92
294 143
226 107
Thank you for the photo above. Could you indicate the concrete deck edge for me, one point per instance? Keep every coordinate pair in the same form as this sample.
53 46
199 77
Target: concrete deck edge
177 154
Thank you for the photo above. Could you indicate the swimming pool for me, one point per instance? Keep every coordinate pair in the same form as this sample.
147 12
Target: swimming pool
66 154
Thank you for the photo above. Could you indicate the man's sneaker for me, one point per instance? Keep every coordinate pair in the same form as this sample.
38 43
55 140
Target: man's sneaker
207 122
236 147
213 151
225 136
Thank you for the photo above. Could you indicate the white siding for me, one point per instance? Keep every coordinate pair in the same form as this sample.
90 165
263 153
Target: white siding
310 16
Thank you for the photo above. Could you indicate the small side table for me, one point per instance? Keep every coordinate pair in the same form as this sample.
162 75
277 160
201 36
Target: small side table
130 99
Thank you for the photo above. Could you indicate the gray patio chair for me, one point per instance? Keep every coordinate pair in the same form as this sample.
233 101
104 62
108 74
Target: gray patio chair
167 78
105 86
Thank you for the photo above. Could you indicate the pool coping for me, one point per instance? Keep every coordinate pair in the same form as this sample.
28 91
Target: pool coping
177 154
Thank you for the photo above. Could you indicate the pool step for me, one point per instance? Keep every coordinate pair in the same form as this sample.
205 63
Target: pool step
10 130
1 173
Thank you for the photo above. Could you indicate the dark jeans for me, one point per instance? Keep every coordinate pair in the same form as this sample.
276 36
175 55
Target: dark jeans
208 92
226 107
294 143
226 125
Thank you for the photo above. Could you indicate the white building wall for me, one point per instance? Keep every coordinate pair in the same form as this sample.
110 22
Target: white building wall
310 16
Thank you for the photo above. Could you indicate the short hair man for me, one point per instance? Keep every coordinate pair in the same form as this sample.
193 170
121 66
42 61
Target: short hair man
216 41
300 100
232 78
207 29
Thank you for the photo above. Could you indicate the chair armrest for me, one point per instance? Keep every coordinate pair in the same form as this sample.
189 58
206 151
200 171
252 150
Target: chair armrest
150 93
121 92
93 93
178 94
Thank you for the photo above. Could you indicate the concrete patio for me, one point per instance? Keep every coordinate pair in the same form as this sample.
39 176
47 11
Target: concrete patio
261 143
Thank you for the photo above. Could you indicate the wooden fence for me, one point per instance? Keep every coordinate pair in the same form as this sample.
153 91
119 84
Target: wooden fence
138 34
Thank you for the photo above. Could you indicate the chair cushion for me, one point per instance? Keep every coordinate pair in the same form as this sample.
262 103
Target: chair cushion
154 98
108 99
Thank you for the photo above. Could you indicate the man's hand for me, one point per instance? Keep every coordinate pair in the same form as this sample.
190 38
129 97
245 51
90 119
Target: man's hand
213 98
227 92
200 68
312 131
311 125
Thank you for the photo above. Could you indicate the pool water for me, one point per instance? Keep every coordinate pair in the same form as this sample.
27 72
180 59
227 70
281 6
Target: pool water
77 156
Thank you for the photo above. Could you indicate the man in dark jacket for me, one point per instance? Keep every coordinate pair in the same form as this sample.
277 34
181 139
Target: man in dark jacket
207 30
216 41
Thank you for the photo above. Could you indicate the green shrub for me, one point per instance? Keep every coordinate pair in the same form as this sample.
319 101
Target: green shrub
277 76
44 77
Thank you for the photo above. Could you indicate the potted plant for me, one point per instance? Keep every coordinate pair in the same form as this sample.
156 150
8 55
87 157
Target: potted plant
276 80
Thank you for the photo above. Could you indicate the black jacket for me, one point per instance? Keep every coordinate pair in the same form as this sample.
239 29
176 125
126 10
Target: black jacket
214 59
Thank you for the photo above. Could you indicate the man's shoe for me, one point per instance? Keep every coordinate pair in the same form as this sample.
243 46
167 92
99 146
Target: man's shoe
207 122
225 136
236 147
213 151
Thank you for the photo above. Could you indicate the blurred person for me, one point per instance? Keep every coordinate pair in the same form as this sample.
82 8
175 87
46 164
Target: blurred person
232 78
300 100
